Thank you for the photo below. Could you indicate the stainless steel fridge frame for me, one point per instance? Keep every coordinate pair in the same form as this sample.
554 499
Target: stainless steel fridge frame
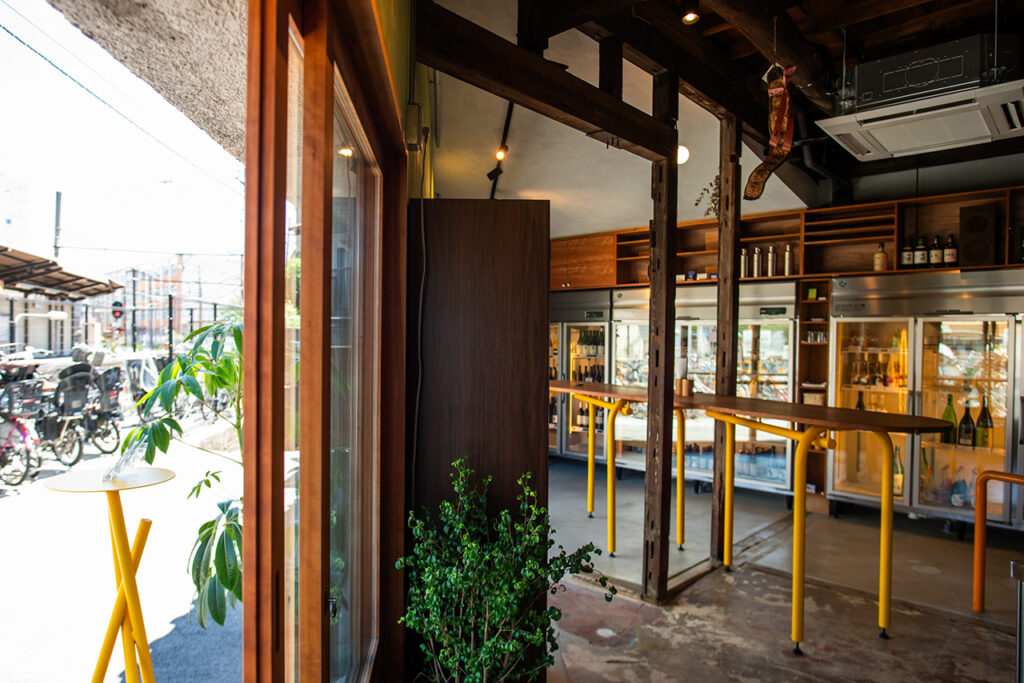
971 295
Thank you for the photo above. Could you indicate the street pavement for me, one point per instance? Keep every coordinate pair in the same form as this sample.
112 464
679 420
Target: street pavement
56 574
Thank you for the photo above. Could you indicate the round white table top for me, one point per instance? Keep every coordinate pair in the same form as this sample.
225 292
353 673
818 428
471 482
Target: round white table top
91 481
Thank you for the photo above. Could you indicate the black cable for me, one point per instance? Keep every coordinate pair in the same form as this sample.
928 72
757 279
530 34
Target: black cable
419 319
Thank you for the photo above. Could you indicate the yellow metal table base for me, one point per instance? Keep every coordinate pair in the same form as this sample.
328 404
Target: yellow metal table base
127 612
805 439
680 478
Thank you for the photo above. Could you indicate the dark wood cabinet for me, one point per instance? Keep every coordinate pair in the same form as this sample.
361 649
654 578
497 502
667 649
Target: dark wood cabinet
583 262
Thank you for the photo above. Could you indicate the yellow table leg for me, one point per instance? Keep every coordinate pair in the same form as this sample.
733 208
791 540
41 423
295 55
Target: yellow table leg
885 548
730 466
800 531
118 618
610 472
131 666
590 459
131 589
680 478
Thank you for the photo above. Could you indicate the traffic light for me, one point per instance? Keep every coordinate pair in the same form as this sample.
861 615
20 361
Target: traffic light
117 309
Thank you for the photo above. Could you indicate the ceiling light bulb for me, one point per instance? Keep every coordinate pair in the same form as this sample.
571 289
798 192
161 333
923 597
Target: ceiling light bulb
690 18
682 155
500 154
345 151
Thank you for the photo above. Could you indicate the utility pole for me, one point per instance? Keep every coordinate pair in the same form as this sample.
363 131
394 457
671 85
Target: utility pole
56 229
135 287
170 327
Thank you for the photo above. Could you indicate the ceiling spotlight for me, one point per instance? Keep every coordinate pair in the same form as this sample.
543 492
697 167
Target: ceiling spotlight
345 151
493 174
682 155
500 154
691 13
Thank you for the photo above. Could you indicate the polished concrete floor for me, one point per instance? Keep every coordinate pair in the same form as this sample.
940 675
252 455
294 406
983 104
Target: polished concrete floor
736 626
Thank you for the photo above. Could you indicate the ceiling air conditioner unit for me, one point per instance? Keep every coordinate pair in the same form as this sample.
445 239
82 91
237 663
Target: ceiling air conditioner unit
950 95
958 119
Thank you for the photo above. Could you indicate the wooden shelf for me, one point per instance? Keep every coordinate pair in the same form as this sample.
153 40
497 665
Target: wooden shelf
623 243
814 301
785 237
808 221
808 343
849 240
705 252
642 257
850 231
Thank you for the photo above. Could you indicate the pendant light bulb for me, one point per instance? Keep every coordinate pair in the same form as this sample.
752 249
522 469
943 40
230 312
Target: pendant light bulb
500 154
682 155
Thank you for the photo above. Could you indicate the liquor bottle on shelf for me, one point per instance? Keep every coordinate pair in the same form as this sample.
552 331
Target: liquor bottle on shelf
949 415
581 417
554 412
965 432
935 253
599 420
920 254
860 401
984 432
950 254
907 255
880 261
897 479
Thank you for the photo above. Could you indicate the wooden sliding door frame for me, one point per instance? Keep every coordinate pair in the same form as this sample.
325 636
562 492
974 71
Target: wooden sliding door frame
346 36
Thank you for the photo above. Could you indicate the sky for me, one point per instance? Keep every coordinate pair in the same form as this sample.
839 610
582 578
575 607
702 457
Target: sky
134 172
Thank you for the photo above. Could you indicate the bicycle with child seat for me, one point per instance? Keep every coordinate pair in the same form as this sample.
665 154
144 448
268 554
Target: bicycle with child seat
19 401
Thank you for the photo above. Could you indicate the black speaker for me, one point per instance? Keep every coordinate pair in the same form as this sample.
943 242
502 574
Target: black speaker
978 235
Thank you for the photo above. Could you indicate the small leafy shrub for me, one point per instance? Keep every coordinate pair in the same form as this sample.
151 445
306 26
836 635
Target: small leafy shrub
477 585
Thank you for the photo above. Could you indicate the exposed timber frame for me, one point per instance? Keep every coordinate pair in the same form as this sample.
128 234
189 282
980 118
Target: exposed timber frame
728 310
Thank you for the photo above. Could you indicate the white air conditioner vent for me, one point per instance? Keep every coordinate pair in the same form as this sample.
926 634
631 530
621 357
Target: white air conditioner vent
932 124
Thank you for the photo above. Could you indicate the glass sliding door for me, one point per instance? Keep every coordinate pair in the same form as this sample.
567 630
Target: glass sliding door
630 359
964 369
871 371
764 371
696 348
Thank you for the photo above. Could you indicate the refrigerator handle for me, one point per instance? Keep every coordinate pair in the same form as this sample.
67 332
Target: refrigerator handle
1020 422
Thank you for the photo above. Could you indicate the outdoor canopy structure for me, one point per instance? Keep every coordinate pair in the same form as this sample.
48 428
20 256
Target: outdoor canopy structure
33 274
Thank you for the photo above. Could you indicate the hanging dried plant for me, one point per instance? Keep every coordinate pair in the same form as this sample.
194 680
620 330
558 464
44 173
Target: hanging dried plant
713 191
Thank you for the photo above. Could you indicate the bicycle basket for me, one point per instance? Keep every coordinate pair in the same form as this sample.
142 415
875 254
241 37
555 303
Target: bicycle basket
20 399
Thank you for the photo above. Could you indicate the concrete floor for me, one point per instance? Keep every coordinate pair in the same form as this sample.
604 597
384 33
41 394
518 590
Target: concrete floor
736 626
567 502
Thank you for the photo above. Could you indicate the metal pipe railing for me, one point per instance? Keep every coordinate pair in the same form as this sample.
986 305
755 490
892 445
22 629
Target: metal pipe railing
980 512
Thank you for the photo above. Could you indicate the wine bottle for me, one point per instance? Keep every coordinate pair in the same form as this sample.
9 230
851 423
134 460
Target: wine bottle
935 253
965 432
949 415
860 401
950 253
984 432
920 254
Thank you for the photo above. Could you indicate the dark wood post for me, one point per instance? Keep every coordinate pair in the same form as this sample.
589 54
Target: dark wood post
609 73
658 476
728 310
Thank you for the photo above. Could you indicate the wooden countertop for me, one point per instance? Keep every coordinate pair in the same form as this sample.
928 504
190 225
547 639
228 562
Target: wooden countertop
832 418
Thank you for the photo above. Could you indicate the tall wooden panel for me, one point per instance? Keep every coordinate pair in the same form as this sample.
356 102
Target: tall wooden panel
483 344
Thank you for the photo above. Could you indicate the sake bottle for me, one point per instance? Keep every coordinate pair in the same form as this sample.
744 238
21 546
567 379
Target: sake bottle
965 433
949 415
984 431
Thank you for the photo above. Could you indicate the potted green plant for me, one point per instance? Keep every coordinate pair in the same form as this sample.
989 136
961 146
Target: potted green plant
477 585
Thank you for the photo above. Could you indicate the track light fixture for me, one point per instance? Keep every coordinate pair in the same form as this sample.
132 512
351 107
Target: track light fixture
493 174
500 154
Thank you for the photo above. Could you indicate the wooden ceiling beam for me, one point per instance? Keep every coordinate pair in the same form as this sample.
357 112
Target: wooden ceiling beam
780 39
561 15
460 48
848 15
926 22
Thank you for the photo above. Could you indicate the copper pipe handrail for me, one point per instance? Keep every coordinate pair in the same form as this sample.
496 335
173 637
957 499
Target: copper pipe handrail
980 513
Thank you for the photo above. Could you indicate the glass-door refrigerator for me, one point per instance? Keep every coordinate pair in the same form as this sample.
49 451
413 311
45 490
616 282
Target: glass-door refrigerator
764 365
965 370
555 401
578 350
870 370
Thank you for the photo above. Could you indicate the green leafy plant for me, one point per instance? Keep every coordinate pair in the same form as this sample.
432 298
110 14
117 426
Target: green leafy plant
713 193
477 585
209 372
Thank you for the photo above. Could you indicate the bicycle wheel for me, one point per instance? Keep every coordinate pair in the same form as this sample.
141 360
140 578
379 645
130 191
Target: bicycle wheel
106 437
13 466
68 446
